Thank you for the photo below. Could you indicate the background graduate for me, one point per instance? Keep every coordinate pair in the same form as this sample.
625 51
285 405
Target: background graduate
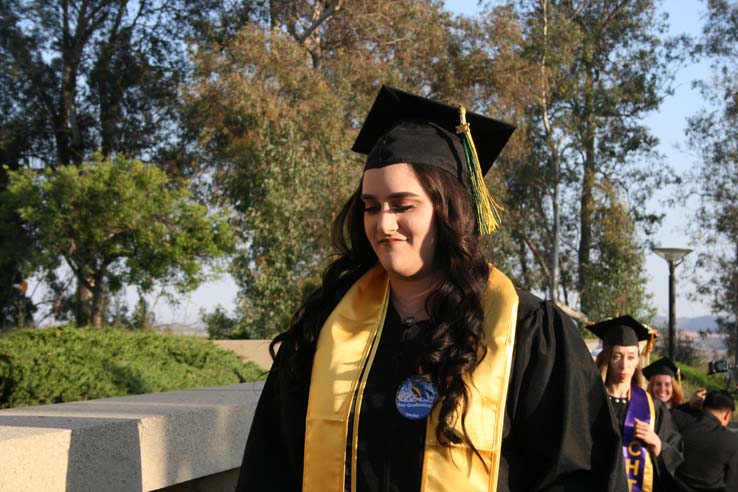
664 382
651 443
710 449
417 365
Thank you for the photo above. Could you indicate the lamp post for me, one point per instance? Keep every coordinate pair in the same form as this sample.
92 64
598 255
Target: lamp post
674 257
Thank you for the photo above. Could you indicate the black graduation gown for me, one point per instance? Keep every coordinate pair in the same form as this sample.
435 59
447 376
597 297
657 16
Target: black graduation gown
671 456
559 434
710 453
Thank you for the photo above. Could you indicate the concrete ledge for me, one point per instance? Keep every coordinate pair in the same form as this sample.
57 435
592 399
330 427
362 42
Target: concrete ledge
127 444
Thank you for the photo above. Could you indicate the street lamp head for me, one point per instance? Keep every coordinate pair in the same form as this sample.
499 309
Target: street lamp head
672 255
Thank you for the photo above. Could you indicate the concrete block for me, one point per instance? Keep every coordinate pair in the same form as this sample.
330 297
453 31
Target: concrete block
135 443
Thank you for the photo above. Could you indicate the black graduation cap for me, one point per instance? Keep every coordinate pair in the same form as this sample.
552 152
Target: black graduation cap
661 366
624 330
406 128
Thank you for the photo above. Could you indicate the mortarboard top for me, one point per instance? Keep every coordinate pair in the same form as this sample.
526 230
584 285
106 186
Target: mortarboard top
406 128
661 366
624 331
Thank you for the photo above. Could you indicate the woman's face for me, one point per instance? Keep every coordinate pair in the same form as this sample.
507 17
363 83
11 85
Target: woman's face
662 388
399 220
622 364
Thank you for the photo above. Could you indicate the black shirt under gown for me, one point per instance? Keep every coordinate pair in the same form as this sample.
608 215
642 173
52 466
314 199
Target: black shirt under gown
559 434
671 456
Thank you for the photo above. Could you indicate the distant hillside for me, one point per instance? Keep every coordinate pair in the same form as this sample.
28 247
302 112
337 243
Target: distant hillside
699 323
712 346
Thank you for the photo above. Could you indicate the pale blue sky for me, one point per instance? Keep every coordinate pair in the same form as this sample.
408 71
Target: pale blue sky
685 16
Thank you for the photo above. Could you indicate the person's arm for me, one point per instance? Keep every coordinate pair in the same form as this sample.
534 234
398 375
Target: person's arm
562 435
671 455
697 398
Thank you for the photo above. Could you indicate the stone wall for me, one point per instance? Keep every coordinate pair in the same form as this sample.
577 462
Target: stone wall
183 441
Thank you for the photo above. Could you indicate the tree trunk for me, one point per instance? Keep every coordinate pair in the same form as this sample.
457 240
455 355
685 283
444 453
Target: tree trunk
68 132
553 159
109 97
69 108
556 232
83 311
91 296
735 308
523 259
587 197
98 301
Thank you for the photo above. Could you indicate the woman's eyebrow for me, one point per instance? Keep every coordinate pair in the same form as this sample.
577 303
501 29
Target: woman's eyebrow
400 194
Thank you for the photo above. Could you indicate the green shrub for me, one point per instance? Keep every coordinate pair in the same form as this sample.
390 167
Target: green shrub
696 377
40 366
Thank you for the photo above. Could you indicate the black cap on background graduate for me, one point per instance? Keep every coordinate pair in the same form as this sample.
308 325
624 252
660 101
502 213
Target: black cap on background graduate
623 330
406 128
662 366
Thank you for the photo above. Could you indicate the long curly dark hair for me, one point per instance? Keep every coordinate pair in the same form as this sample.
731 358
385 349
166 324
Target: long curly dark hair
455 308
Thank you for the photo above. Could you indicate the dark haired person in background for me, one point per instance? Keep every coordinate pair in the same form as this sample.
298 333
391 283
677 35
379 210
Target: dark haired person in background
710 449
417 365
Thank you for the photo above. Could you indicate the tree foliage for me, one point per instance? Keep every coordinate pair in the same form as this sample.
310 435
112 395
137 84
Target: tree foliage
279 103
713 133
86 75
278 107
113 223
585 74
275 135
617 285
92 74
259 101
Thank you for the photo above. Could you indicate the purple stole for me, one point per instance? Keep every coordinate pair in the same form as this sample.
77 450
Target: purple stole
638 466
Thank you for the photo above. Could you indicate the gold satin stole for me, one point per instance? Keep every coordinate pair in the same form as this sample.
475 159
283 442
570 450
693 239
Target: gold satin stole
346 347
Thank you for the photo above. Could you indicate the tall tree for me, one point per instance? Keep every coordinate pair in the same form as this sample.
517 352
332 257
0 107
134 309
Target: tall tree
275 134
98 74
586 72
713 133
115 223
623 68
618 283
278 107
83 76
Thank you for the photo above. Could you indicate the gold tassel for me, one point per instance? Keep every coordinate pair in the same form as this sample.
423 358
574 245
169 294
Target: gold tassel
651 340
488 211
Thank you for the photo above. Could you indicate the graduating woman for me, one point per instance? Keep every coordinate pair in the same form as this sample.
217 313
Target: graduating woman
652 446
664 382
417 365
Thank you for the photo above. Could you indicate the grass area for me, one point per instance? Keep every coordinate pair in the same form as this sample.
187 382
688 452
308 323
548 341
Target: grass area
53 365
694 378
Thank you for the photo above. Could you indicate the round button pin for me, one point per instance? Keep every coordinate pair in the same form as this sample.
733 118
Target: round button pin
415 397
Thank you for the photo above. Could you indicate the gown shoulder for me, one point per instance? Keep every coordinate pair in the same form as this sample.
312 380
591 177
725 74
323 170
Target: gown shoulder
561 431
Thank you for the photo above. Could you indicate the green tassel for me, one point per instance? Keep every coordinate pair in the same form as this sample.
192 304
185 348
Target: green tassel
488 211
